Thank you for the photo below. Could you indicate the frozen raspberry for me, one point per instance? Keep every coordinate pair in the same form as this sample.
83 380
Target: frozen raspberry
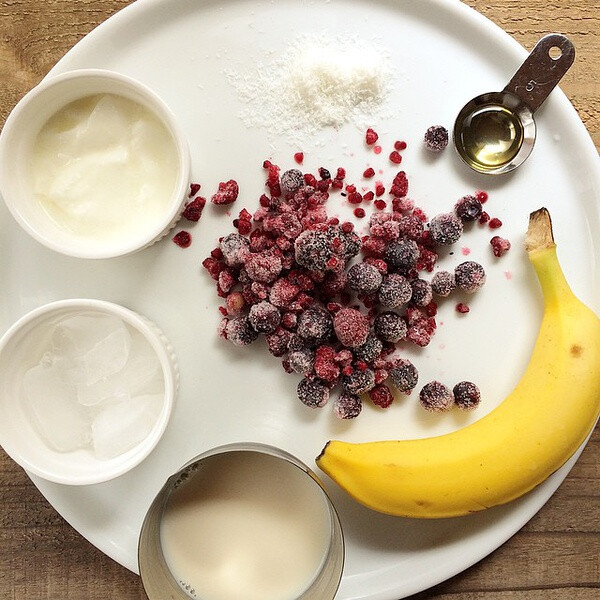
436 397
421 327
263 267
325 366
227 194
315 325
193 210
347 406
240 332
422 294
381 396
402 255
312 393
468 208
443 283
370 350
359 382
445 229
500 246
403 374
313 250
399 187
235 249
291 181
395 291
462 308
278 341
351 327
183 239
390 327
264 317
411 226
364 278
436 138
283 293
302 361
469 276
495 223
371 137
466 395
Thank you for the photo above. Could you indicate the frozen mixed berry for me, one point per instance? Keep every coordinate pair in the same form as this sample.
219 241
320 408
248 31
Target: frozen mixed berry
371 137
469 276
291 181
312 393
468 208
402 255
359 382
347 406
302 361
500 246
445 229
235 249
193 210
183 239
278 341
443 284
263 267
325 366
421 327
395 291
364 278
466 395
264 317
436 397
283 292
381 396
390 327
351 327
313 250
462 308
240 332
436 138
227 194
315 325
370 350
351 243
403 375
422 294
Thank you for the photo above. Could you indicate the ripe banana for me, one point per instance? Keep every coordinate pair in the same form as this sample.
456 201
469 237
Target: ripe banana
514 448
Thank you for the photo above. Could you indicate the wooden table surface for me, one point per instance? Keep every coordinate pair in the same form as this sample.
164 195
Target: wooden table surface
555 556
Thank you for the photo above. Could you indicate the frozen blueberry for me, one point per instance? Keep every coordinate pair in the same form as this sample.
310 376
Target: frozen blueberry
402 255
312 393
436 138
404 375
364 278
395 291
445 229
235 249
240 332
315 325
422 293
291 181
370 350
443 283
264 317
390 327
436 397
313 249
352 244
347 406
466 395
469 276
468 208
359 382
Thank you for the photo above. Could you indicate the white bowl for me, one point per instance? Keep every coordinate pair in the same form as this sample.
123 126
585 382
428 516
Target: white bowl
21 348
18 140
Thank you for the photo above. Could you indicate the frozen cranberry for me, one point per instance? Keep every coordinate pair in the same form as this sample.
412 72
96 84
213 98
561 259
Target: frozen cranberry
312 393
183 239
381 396
359 382
227 194
469 276
466 395
390 327
443 283
395 291
315 325
193 210
500 246
422 294
468 208
347 406
436 397
402 255
403 375
436 138
351 327
264 317
445 229
240 332
364 278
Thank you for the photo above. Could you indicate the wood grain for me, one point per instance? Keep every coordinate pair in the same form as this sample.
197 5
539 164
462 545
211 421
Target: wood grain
556 556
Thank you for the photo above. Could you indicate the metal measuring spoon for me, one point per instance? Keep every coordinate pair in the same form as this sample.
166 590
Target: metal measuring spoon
494 133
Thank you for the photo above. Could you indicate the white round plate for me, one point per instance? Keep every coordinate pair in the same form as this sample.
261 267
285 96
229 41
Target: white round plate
443 54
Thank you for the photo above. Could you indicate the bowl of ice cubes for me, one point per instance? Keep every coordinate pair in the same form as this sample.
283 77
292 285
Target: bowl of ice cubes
87 389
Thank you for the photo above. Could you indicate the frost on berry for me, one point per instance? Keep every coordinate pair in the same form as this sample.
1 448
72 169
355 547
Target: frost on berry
227 194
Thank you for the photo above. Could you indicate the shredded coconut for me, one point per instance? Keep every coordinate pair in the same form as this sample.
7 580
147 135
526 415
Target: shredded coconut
315 83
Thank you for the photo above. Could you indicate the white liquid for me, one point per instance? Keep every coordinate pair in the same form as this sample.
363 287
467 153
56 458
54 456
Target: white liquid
104 168
246 525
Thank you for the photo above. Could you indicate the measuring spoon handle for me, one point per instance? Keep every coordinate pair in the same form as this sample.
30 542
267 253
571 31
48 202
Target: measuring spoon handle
540 73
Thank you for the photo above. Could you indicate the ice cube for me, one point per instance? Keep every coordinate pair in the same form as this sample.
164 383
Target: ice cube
62 423
121 426
141 374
